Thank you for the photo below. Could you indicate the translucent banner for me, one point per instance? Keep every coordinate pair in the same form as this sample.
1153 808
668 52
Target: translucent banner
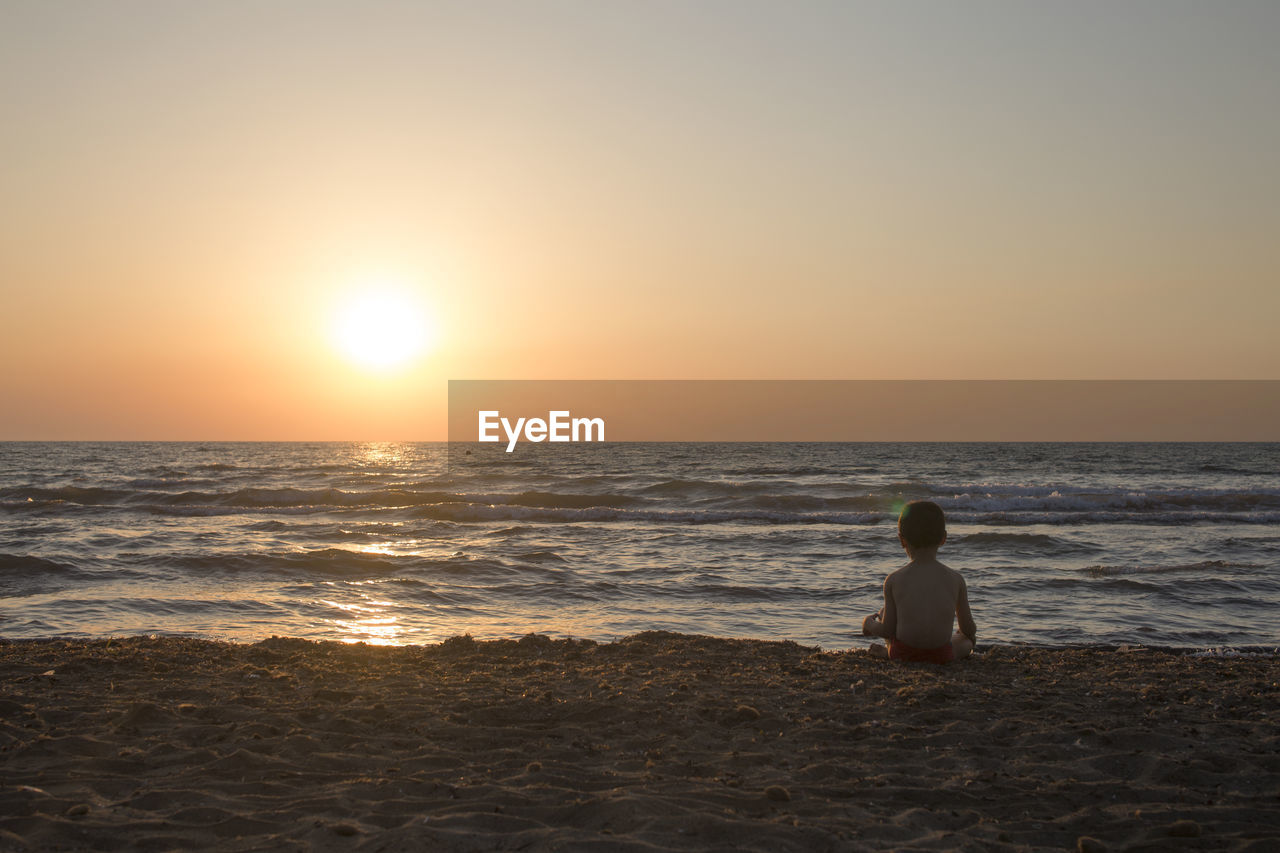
515 414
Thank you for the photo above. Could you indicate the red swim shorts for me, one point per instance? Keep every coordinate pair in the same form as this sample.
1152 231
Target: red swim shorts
899 650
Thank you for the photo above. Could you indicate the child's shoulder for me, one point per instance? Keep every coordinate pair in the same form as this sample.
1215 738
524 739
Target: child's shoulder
948 568
930 567
898 572
955 580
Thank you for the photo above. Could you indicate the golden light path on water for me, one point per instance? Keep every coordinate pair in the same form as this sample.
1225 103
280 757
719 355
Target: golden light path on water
369 622
383 453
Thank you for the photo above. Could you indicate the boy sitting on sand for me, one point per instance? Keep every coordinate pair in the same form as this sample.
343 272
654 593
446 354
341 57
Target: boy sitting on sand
921 598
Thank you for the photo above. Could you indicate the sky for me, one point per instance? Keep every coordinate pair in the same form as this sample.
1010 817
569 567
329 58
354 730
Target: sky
197 195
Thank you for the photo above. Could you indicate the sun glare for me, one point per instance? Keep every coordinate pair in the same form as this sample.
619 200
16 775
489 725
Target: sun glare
381 328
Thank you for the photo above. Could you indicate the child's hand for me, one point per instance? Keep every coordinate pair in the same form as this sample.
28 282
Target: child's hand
871 625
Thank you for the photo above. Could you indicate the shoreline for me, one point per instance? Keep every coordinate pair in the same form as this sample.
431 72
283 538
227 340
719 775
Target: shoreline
1219 650
654 741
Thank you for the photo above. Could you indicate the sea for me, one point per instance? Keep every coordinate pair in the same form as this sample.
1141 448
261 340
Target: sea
1061 544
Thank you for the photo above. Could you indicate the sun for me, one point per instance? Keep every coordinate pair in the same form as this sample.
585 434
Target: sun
381 327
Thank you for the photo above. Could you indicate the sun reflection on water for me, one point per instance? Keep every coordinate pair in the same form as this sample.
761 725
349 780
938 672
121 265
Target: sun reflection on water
382 454
368 622
426 548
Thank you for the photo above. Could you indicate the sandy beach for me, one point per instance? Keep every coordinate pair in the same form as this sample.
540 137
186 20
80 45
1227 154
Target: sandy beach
657 741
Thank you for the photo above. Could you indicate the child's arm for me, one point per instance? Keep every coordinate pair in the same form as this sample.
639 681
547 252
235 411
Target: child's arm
889 616
963 616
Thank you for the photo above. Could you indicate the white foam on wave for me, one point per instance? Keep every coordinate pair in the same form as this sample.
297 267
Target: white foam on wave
1228 652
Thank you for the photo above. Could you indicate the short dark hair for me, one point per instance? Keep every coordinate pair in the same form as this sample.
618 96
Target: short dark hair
922 525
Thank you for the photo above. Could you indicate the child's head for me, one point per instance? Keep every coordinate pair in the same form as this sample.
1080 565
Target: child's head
922 525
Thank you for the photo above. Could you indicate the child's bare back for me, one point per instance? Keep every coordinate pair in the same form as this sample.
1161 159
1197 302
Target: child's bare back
922 598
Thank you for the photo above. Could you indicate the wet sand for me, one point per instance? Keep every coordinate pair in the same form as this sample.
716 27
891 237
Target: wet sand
659 741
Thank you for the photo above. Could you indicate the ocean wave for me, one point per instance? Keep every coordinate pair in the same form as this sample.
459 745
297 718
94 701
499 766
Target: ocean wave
796 503
678 495
457 508
292 497
740 592
1028 517
784 471
540 557
346 564
1203 566
1210 468
26 574
269 526
508 512
554 499
514 530
999 538
1084 501
698 488
165 472
90 495
27 565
